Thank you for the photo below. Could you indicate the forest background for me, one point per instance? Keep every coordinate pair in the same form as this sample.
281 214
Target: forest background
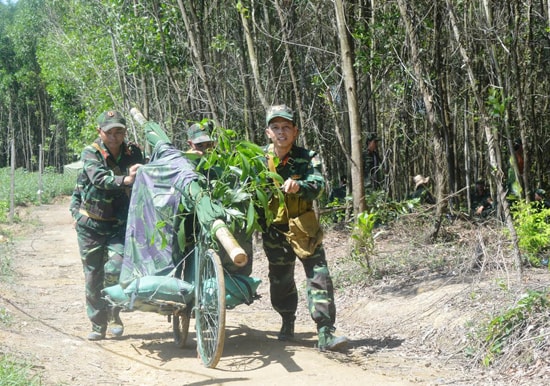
447 86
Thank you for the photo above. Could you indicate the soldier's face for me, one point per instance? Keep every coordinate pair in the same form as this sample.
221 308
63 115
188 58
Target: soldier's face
114 137
372 145
281 131
203 146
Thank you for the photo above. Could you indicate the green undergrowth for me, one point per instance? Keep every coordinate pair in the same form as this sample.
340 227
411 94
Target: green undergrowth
14 372
532 224
517 334
31 188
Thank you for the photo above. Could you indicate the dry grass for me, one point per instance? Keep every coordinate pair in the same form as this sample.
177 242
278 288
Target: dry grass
466 251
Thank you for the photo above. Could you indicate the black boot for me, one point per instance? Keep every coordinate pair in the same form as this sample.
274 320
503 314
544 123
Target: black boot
327 341
116 328
98 332
287 329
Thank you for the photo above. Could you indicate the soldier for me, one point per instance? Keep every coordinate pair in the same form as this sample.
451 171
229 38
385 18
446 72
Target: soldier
541 200
482 202
515 189
198 137
300 170
99 206
421 190
372 166
200 142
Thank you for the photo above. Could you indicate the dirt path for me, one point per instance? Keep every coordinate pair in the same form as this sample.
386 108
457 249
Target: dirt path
45 300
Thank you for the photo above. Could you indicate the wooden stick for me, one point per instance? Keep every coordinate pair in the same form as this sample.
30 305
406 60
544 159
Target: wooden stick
232 247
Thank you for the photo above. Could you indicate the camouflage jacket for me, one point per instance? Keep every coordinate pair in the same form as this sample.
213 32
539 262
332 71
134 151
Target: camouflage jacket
372 170
303 166
99 189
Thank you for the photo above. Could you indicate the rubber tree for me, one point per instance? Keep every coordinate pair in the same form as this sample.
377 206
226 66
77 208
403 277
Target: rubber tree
358 190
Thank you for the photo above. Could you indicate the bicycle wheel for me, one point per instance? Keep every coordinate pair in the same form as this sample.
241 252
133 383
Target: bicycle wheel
210 308
180 326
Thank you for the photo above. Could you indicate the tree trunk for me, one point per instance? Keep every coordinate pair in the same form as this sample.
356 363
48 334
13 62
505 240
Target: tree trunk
248 104
358 189
253 58
288 56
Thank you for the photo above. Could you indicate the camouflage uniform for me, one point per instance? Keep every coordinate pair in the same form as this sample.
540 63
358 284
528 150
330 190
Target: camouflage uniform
303 182
99 205
481 200
372 166
301 165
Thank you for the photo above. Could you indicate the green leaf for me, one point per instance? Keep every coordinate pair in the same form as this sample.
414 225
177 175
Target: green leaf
262 197
245 146
250 218
276 177
245 165
235 213
236 170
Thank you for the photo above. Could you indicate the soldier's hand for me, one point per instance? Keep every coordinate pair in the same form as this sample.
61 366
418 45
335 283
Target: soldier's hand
133 169
129 179
290 186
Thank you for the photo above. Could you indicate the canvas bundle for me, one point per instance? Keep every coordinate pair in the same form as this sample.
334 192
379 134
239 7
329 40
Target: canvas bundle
304 234
239 289
162 288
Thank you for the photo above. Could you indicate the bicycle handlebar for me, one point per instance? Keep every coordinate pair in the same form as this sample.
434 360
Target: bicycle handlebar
232 247
138 116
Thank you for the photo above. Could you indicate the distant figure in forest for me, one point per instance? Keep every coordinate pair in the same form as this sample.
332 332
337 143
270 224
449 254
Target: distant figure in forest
516 159
422 191
372 164
482 202
540 199
340 192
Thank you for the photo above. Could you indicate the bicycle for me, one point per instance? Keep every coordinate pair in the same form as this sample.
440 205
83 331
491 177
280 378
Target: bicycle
170 265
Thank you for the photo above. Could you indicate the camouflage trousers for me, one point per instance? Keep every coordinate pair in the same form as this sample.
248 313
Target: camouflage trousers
101 246
282 286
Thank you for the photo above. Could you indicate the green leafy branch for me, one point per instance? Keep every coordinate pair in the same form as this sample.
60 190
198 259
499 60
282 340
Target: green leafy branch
240 181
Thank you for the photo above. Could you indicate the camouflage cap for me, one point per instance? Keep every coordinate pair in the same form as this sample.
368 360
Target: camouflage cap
111 119
541 192
282 111
199 133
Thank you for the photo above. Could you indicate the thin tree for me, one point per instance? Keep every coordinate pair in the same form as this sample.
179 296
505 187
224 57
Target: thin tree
358 189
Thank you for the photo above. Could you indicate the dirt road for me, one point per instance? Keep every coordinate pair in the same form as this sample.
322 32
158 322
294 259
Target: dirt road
48 326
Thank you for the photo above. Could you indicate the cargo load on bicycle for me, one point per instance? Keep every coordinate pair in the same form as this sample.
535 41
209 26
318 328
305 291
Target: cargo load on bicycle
180 258
159 234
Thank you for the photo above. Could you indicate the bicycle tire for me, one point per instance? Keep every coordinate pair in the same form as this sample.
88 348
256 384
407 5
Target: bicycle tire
180 326
210 308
